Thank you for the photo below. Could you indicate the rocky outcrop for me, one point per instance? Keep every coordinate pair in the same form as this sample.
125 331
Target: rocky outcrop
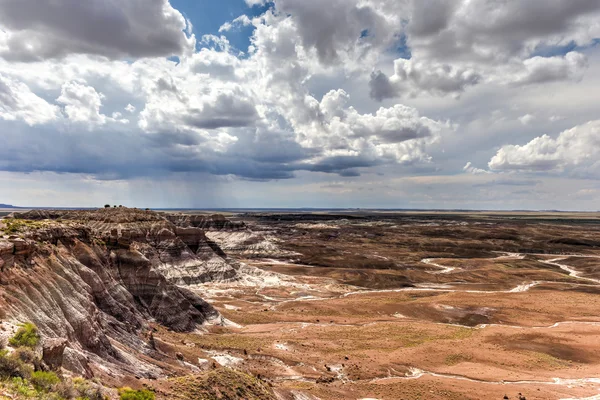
53 353
206 222
248 244
96 279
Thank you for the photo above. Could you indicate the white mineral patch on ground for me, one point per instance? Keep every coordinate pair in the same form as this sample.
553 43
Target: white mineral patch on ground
316 226
226 360
249 244
281 346
203 363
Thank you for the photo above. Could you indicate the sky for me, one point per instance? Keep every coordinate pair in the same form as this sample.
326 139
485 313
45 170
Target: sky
430 104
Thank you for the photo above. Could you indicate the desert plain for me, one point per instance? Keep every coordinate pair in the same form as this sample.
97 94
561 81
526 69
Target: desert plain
451 305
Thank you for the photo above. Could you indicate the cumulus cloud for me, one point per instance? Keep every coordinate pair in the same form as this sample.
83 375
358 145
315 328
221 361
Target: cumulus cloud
82 103
576 148
171 107
471 169
18 102
412 77
218 64
527 119
344 31
348 139
34 30
454 45
252 3
548 69
271 112
240 21
491 31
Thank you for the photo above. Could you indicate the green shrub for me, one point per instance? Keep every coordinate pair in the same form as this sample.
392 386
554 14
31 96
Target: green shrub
130 394
12 367
27 336
44 381
23 388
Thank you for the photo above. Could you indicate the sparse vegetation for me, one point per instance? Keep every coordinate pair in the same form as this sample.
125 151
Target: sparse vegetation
26 355
12 226
22 388
20 376
12 367
44 381
27 336
453 359
85 390
221 384
547 361
130 394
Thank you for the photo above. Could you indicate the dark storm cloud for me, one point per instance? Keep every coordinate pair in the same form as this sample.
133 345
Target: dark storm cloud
112 28
380 87
431 16
336 25
490 29
108 154
228 110
266 146
342 165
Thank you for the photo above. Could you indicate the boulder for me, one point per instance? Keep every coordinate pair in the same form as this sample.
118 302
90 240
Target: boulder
53 352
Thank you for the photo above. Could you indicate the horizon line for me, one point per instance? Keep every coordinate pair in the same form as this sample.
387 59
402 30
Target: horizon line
13 207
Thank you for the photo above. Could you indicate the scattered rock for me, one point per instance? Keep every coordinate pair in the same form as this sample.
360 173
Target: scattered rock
325 379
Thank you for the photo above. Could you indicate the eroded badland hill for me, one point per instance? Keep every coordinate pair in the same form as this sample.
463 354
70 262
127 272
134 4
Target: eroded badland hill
308 306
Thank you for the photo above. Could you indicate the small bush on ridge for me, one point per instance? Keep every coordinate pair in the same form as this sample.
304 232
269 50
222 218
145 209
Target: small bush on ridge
27 336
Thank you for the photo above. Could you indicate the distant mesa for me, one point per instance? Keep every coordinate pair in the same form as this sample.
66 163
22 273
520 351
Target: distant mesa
7 206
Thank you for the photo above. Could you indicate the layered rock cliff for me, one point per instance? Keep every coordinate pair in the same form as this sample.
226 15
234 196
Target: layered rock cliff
97 278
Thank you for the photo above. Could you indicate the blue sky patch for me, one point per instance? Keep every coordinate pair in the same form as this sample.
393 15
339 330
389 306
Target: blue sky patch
207 16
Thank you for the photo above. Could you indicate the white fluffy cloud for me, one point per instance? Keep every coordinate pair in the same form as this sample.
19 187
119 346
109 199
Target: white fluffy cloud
396 134
548 69
253 3
18 102
576 148
471 169
81 103
242 20
527 119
